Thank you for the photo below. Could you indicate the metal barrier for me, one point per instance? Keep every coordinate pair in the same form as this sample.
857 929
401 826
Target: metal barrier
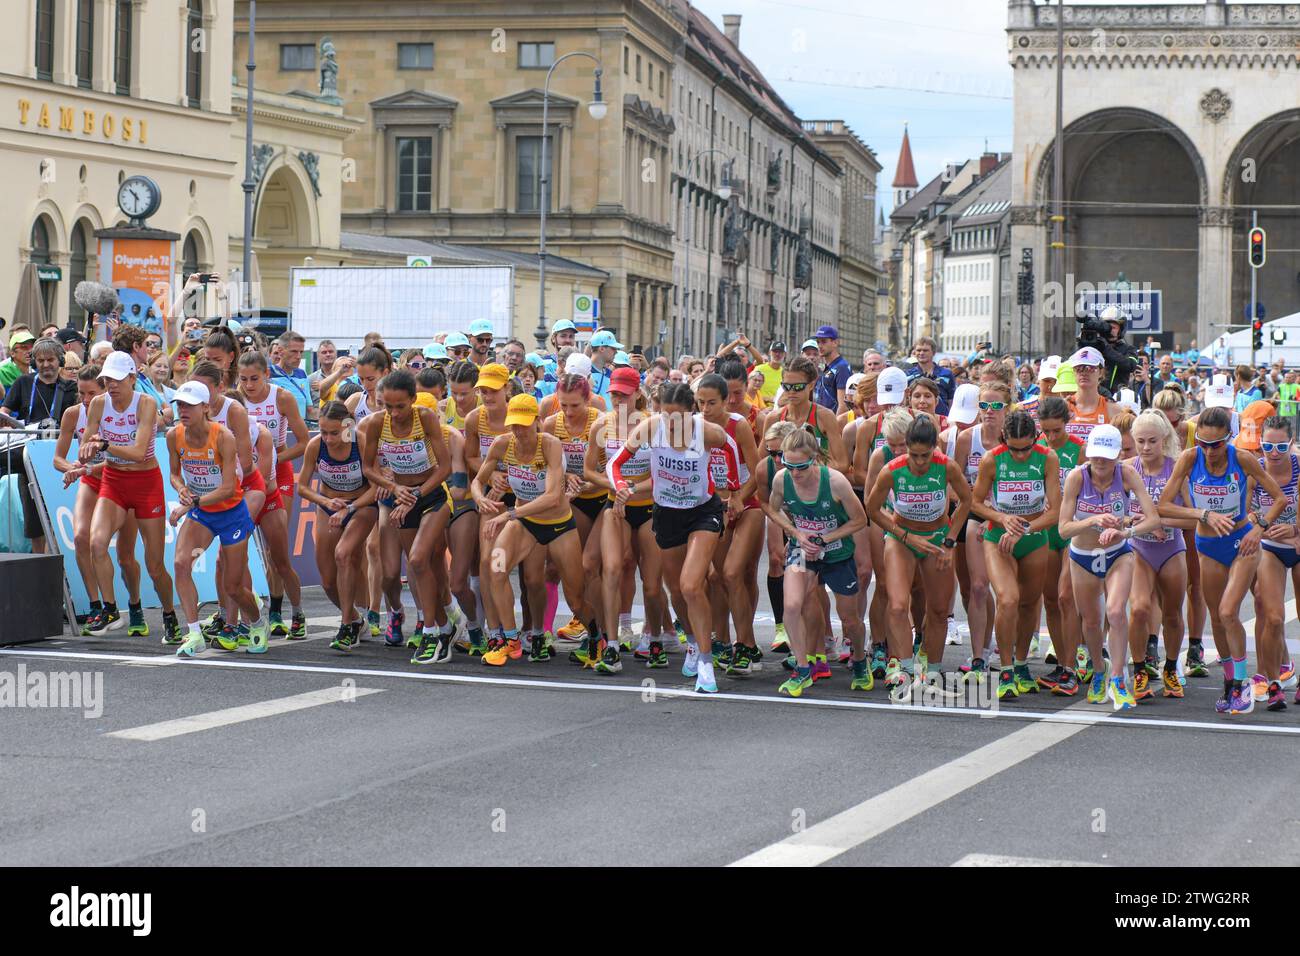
13 460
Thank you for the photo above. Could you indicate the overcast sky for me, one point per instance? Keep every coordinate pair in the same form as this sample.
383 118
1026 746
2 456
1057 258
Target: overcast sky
938 65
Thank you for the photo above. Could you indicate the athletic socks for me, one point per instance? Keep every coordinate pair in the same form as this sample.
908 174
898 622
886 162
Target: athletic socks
195 630
625 621
1171 665
1238 670
277 603
776 594
552 603
297 610
479 613
1229 671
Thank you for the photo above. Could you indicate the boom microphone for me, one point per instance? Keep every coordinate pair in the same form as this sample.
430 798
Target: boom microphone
96 297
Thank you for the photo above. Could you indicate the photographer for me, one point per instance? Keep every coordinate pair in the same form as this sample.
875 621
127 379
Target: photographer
1106 334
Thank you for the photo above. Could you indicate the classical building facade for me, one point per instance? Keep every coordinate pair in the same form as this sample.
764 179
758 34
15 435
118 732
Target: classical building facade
860 273
973 267
449 95
1178 122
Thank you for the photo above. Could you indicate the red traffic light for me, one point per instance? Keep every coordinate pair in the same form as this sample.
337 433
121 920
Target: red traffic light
1258 252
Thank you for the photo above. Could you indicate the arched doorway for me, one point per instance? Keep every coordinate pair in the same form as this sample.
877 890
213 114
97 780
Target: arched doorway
42 255
1134 184
283 214
1264 175
79 244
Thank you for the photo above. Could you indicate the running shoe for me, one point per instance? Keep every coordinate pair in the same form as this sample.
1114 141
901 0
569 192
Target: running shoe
894 674
1050 657
417 635
1025 683
298 627
1241 701
193 644
1120 695
1195 666
1276 698
705 682
473 647
917 640
257 639
1258 687
790 663
1153 651
1287 679
1151 666
278 628
515 649
626 636
343 639
862 679
542 649
878 661
501 650
821 670
920 665
691 664
642 651
611 662
1142 688
372 620
977 670
796 684
212 624
681 631
392 633
722 654
780 642
1083 665
172 630
582 653
1170 684
740 661
1033 647
434 649
1097 688
228 639
840 650
1007 684
136 626
1053 677
1068 685
658 657
755 659
573 630
954 635
242 634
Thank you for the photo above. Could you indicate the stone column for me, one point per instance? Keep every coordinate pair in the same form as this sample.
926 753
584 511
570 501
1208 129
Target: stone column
1213 272
382 174
650 334
444 167
501 196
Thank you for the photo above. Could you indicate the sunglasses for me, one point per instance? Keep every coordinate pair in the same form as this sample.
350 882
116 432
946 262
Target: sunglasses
1210 443
415 365
796 465
794 386
1268 446
483 339
992 406
1023 450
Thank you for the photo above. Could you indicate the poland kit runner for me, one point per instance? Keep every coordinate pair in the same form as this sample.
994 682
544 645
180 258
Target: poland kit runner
120 428
1095 501
91 481
267 412
222 418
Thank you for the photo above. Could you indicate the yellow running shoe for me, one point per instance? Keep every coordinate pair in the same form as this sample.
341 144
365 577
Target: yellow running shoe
574 630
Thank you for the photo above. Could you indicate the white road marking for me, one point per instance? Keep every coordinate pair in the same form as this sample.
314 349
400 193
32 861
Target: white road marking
828 839
1100 715
237 715
988 859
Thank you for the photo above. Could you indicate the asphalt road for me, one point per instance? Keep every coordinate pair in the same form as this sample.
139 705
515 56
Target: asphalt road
384 762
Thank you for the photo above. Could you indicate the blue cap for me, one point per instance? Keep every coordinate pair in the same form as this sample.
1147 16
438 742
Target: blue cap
620 358
532 358
605 339
481 327
827 332
564 325
435 350
456 340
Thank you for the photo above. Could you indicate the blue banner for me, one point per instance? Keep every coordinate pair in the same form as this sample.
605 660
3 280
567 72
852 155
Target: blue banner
59 504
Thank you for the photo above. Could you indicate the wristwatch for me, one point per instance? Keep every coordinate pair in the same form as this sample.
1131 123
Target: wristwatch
817 540
950 543
352 506
1259 519
510 512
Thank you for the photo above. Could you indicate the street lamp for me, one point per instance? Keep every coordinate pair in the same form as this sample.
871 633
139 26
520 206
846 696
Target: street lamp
724 193
597 108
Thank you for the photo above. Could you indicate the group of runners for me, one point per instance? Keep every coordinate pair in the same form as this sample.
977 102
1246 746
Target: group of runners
454 508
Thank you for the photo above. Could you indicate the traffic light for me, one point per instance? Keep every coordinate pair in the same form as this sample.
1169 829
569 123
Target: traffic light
1258 252
1257 334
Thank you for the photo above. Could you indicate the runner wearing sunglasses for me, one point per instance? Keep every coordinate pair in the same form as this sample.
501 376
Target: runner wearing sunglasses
796 383
1214 478
1095 498
917 536
819 513
893 434
1058 587
1280 557
1020 481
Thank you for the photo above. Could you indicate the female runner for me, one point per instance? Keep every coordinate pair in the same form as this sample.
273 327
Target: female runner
536 525
372 365
122 422
1096 499
775 540
687 516
1021 482
407 461
1072 662
204 474
1214 478
893 434
818 511
917 535
348 499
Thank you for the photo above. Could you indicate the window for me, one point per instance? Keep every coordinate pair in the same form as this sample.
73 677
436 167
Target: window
297 56
536 56
662 89
650 75
85 42
415 56
414 173
625 61
194 54
77 267
638 67
40 242
122 55
44 39
528 160
189 256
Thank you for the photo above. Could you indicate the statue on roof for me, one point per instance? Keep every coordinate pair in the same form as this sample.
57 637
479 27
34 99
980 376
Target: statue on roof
329 71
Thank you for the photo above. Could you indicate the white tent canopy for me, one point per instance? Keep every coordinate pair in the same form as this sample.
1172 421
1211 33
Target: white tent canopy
1233 348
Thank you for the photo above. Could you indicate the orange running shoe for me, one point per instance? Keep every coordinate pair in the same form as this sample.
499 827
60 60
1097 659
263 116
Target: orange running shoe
574 630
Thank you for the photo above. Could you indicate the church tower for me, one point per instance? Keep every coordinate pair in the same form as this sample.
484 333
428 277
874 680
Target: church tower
905 175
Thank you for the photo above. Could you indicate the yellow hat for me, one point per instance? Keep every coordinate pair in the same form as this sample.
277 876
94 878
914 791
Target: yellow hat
493 375
1065 380
522 409
20 337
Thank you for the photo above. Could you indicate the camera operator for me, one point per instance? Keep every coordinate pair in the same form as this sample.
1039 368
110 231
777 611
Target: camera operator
1106 334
